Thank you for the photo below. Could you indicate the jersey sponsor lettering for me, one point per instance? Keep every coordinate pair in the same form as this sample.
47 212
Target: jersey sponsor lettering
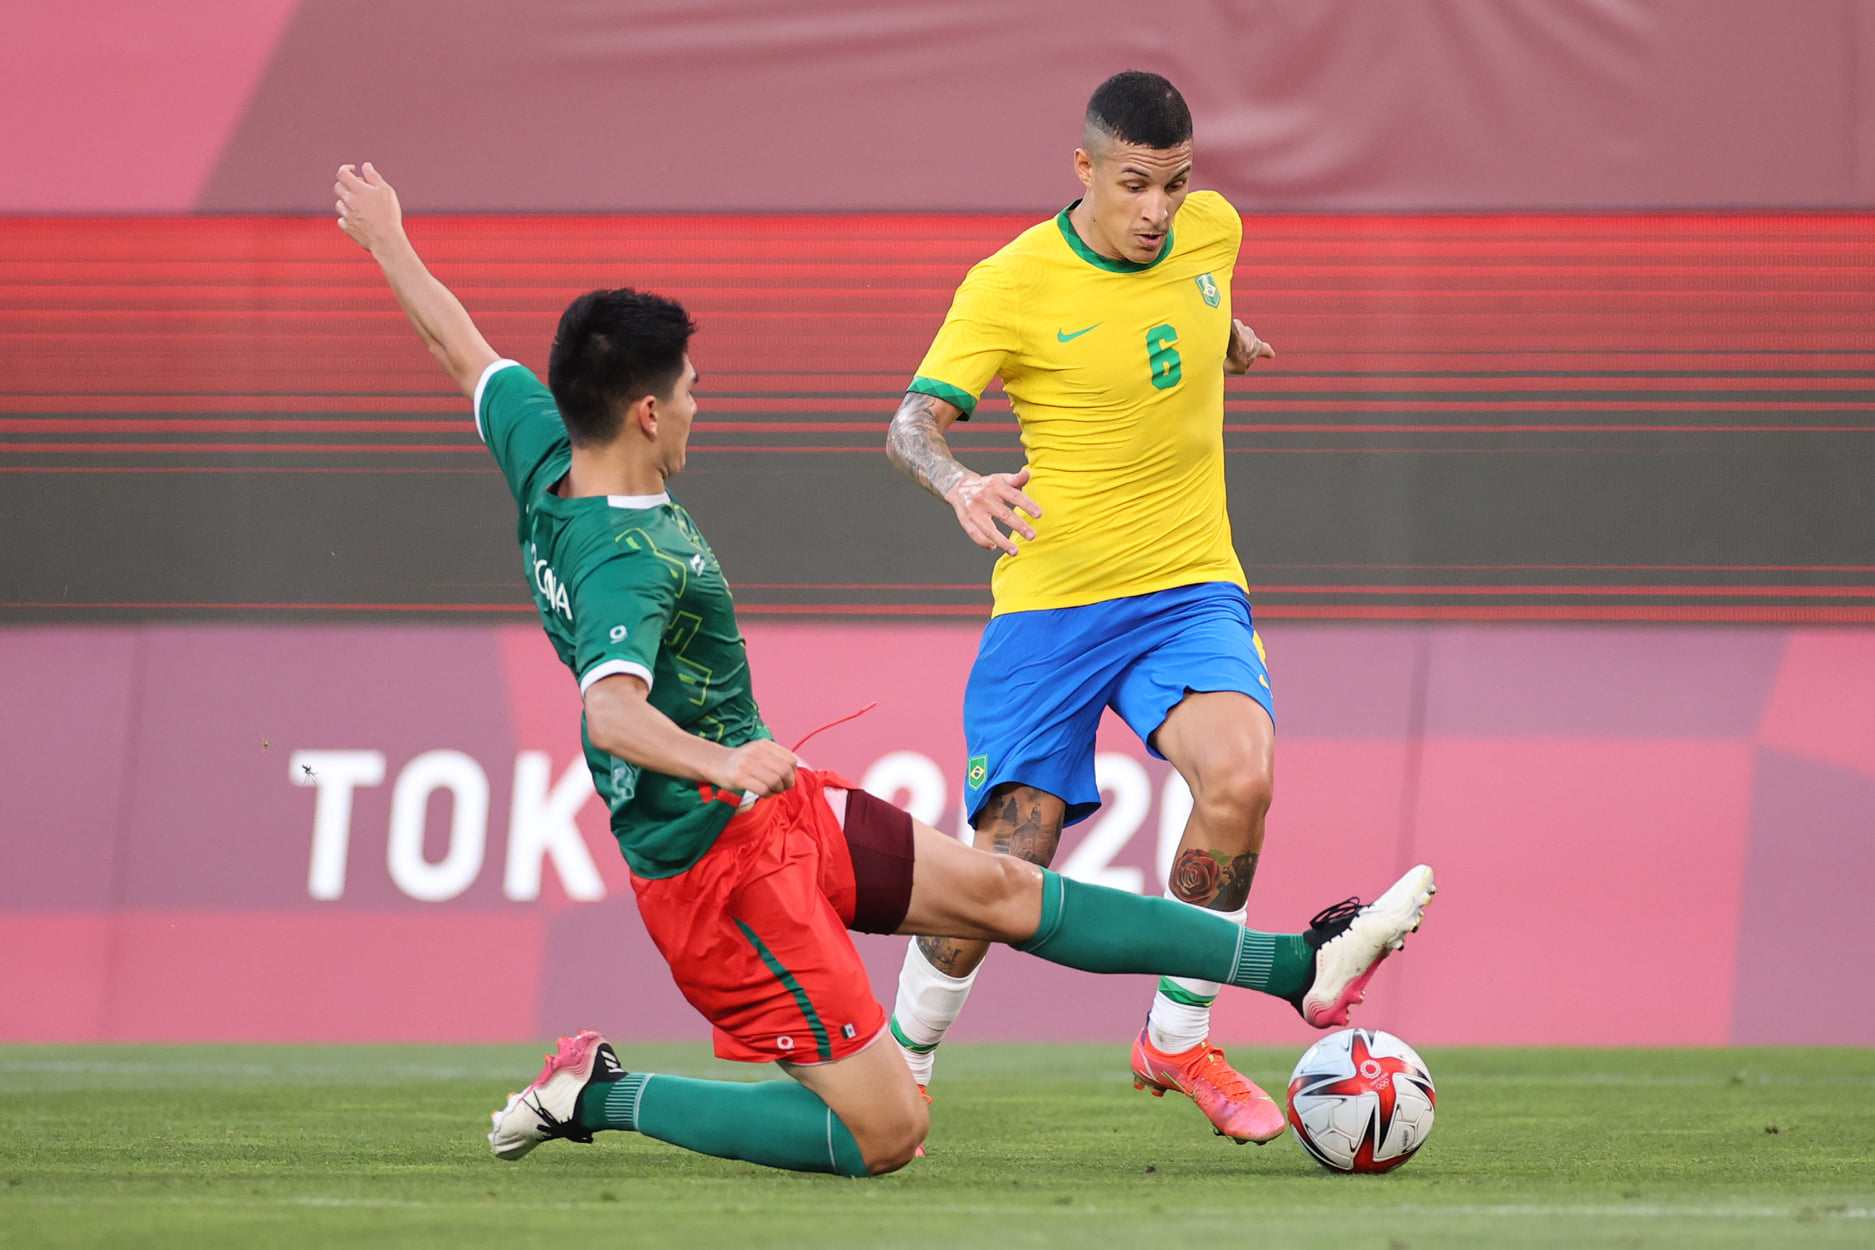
552 591
624 787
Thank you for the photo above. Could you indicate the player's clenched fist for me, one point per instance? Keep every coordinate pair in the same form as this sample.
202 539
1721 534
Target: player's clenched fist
367 207
761 767
1245 349
981 502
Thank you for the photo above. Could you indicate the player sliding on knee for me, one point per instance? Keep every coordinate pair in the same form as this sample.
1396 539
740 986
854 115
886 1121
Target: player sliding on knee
1323 971
749 869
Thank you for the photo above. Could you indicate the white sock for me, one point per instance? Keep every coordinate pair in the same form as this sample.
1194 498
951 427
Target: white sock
928 1004
1181 1010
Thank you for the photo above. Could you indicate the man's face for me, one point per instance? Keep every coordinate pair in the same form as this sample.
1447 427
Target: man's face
674 417
1133 193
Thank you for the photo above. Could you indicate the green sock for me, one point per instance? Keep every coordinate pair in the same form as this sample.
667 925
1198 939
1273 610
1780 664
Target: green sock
1096 929
778 1124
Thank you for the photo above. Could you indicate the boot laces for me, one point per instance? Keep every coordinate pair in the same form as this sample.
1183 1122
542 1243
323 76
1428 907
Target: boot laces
1332 921
1216 1069
552 1128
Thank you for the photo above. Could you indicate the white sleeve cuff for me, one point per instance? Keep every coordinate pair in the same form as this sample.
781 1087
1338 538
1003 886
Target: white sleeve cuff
611 668
481 384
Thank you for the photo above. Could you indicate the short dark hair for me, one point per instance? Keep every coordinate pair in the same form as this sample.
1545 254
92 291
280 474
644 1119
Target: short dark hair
1141 108
612 349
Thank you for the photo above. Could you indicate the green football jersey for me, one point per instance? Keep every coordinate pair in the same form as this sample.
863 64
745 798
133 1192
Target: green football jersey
626 584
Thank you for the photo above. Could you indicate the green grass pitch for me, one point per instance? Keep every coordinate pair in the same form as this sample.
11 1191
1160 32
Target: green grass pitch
1036 1145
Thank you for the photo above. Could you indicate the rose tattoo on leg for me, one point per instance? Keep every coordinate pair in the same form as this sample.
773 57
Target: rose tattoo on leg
1212 879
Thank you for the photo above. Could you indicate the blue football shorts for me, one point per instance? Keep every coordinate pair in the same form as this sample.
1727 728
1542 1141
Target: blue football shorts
1043 677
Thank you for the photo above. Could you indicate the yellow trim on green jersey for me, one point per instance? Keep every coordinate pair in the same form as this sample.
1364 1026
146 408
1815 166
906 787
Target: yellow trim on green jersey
1116 374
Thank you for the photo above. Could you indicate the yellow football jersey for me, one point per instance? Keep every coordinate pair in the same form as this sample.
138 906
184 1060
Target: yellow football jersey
1116 373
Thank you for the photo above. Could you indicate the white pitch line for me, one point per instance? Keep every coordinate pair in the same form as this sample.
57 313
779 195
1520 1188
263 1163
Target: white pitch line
1636 1210
1477 1210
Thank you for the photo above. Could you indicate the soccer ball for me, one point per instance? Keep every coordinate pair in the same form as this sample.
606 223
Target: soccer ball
1361 1101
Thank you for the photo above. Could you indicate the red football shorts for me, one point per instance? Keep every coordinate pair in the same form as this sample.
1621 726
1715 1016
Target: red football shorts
755 932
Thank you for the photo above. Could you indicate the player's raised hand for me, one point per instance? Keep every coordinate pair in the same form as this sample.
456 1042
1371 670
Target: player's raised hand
367 207
1245 349
982 502
761 767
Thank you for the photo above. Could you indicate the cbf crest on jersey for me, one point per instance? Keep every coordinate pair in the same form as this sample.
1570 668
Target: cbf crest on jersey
1208 289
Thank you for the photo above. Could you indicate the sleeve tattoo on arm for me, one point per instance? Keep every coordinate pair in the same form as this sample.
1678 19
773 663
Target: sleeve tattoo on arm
916 444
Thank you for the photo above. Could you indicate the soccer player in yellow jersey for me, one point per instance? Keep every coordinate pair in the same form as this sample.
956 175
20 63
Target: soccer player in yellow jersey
1111 328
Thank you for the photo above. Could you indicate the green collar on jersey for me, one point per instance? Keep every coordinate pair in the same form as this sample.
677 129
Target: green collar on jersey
1095 259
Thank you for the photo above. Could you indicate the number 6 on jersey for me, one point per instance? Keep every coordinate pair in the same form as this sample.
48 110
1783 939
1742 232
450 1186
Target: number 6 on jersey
1162 355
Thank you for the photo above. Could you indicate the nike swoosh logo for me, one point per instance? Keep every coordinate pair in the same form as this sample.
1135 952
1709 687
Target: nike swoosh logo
1066 338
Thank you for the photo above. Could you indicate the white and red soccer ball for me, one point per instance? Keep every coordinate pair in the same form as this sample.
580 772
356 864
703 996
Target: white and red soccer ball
1361 1101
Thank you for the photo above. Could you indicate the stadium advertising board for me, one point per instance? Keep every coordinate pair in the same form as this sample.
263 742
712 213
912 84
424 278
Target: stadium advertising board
382 833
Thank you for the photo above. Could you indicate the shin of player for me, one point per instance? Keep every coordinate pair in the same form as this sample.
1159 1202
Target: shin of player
1223 744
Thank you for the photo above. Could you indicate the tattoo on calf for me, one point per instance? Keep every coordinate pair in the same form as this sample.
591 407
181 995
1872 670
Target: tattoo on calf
946 954
1212 879
1025 832
1015 824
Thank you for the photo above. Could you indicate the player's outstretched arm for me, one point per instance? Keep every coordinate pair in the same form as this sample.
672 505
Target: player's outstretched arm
369 213
621 722
916 444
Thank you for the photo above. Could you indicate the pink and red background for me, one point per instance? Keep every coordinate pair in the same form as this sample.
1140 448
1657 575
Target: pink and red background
1644 834
932 105
1556 503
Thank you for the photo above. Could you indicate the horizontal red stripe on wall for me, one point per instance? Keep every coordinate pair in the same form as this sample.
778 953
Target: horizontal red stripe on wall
132 425
1525 354
1352 588
1742 614
186 425
322 469
1360 287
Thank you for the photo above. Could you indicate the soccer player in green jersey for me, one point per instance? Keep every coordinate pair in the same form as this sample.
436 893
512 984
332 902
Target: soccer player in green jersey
749 869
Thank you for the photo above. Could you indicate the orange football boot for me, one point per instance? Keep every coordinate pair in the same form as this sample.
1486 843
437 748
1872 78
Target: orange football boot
1232 1102
926 1095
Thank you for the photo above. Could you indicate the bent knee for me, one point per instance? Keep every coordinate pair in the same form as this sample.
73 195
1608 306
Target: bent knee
897 1144
1239 794
1012 902
1014 878
1011 882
